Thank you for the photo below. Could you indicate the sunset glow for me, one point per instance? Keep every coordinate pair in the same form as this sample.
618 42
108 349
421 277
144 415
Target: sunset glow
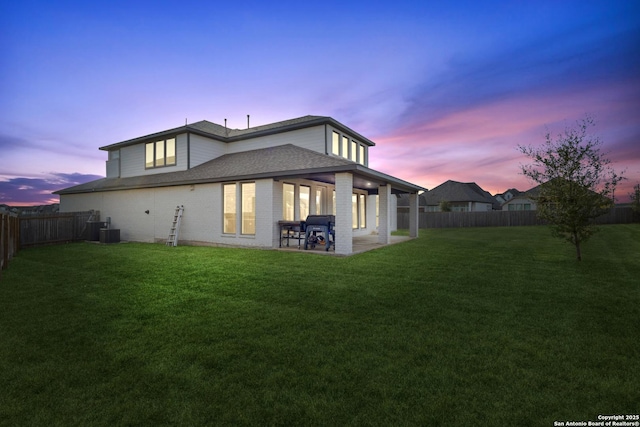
447 91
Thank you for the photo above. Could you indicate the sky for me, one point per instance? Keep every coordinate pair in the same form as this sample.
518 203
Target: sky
447 90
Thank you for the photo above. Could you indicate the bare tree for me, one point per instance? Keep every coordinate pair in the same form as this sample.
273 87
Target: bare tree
577 183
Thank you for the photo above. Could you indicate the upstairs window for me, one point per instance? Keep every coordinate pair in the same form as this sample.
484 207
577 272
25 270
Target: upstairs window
342 145
160 153
345 147
335 143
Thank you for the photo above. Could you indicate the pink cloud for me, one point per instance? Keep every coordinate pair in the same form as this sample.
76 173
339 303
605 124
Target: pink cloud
480 144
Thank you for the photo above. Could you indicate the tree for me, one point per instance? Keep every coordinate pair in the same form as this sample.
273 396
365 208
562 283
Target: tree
635 198
445 206
576 180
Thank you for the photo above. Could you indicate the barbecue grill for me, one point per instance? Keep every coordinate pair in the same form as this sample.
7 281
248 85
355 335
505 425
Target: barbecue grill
320 224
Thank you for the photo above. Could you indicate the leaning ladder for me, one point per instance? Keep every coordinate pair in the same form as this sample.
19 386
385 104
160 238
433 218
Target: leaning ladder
175 227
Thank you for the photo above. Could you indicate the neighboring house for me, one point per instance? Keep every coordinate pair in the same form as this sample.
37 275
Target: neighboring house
235 185
404 202
461 197
507 195
524 201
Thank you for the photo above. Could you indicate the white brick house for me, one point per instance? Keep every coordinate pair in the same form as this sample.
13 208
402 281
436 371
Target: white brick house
235 185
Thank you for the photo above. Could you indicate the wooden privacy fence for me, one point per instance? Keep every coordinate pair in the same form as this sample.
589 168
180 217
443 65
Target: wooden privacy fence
623 215
9 232
55 228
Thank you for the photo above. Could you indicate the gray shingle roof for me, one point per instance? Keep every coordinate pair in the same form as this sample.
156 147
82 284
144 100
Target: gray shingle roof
279 161
453 191
216 131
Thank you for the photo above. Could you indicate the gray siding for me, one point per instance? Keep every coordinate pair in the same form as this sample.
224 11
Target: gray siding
310 138
204 149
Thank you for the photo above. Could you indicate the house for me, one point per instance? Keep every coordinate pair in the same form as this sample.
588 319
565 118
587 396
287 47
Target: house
507 195
460 196
403 202
523 201
237 184
526 201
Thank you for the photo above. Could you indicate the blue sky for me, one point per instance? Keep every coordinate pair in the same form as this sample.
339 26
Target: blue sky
447 90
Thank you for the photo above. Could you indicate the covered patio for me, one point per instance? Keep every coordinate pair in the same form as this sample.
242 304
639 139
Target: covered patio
359 245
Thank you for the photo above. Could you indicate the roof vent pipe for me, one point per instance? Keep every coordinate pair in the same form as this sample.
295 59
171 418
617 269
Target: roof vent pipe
248 122
226 131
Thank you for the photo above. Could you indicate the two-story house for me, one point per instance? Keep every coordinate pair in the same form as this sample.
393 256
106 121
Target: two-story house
235 185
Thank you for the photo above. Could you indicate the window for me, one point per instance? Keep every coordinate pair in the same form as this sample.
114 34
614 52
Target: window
350 149
160 153
354 211
345 147
288 202
335 144
358 210
246 202
520 206
319 200
248 190
305 197
229 209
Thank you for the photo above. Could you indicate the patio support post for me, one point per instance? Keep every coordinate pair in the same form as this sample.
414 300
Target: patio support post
344 216
384 222
413 215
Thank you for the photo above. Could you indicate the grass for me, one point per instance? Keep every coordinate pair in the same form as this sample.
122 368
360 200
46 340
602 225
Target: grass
491 326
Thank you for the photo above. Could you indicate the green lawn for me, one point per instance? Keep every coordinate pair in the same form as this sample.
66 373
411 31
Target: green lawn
487 326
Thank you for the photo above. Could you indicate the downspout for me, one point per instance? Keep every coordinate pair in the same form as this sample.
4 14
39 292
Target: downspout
188 150
326 140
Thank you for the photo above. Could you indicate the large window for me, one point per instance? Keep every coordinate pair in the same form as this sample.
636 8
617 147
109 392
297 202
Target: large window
288 202
248 190
354 210
363 210
246 214
320 200
229 209
335 144
345 147
305 197
160 153
358 210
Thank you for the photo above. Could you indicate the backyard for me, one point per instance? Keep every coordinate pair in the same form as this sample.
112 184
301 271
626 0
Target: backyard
473 326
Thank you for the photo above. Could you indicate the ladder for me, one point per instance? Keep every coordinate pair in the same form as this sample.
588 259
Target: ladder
172 240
